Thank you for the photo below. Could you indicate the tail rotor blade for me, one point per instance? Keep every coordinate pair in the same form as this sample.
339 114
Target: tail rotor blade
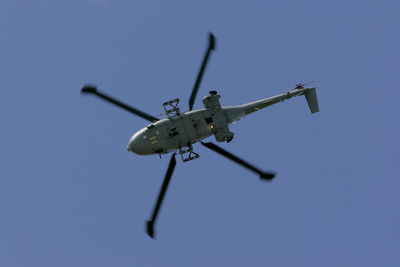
150 223
263 175
90 89
211 46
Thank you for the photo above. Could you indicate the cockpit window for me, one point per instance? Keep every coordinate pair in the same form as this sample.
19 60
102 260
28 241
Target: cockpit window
153 139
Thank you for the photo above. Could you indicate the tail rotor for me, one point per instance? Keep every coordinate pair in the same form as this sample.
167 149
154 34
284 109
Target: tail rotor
301 85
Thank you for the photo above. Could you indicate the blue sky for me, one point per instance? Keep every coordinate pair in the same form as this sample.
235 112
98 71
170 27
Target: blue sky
71 195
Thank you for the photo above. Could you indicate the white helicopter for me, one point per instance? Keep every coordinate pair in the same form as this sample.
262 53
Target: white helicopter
179 131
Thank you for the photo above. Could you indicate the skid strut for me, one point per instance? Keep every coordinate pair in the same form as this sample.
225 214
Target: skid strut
187 153
171 108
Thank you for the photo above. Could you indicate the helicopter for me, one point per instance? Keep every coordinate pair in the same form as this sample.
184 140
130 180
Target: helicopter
179 131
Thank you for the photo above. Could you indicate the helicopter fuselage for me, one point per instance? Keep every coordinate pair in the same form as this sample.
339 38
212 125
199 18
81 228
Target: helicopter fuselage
183 130
175 132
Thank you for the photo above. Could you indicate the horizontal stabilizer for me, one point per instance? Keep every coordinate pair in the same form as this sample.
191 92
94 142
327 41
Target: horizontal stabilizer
312 100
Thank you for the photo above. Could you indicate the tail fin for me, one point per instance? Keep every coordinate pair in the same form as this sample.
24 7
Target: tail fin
312 100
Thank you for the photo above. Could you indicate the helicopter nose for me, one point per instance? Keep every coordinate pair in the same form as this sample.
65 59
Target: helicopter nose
138 145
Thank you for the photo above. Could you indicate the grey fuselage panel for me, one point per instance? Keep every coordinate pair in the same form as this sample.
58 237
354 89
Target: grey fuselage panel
187 128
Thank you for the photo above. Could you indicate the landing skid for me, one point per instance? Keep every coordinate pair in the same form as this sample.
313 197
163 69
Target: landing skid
171 108
187 153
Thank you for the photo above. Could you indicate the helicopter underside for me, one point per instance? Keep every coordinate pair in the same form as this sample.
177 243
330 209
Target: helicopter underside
178 133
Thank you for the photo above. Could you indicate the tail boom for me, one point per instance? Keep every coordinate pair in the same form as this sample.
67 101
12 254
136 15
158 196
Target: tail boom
234 113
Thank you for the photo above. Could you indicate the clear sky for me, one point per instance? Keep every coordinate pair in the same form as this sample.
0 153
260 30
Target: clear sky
71 195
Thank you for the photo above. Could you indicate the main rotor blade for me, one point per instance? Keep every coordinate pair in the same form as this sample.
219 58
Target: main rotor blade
211 46
150 223
263 175
90 89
